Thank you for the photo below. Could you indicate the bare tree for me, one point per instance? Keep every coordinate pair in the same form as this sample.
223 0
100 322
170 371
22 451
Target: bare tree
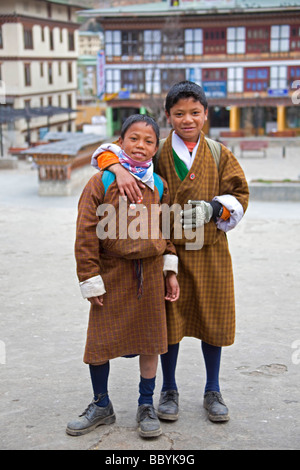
165 46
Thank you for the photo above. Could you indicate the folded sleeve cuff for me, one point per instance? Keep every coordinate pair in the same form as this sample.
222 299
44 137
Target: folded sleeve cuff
107 159
92 287
235 209
170 264
99 158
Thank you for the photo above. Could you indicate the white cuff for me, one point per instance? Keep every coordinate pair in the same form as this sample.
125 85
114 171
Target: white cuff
170 264
92 287
236 212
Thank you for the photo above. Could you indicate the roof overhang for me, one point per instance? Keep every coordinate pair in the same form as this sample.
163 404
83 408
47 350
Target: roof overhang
12 114
162 9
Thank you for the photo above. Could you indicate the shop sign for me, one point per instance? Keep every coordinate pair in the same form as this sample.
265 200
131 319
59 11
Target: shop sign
277 92
215 89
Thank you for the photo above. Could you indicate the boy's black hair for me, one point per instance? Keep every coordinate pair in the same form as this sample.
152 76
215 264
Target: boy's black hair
140 118
184 90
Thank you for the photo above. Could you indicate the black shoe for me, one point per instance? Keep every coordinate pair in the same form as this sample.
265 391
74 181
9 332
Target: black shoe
214 404
91 418
168 405
148 421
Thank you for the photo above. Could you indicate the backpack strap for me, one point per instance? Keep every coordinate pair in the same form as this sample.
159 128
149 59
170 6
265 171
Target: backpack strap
157 155
214 147
108 178
159 184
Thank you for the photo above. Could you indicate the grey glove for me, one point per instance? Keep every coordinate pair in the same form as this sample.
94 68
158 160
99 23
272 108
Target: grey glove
197 216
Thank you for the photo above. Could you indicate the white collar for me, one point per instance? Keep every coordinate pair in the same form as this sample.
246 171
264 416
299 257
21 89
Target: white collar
182 150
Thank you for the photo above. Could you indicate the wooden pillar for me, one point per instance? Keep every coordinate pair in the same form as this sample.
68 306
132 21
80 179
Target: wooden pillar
234 118
281 118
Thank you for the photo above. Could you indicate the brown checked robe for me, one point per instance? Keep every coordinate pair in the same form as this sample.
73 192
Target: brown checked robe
206 307
125 324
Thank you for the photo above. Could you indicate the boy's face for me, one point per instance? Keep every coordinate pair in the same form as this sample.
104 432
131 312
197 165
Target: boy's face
139 142
187 118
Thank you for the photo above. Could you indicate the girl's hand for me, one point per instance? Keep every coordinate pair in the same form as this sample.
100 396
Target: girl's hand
96 301
172 287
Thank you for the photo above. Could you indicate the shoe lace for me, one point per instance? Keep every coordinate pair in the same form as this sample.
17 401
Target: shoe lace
170 395
88 410
216 396
147 412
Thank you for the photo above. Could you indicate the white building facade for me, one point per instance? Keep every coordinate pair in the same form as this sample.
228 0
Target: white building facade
246 56
38 64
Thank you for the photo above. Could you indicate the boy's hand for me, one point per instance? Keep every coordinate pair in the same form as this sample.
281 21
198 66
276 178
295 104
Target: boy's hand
96 301
127 184
172 287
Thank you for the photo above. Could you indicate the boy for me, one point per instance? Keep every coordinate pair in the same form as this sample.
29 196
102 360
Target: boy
219 193
119 275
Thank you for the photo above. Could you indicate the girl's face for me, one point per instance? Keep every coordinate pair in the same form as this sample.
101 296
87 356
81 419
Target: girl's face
140 142
187 118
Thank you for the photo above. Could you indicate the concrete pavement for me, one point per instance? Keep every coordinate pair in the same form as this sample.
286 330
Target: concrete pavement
43 319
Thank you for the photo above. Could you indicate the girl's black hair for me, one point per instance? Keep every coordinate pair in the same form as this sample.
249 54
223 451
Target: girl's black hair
140 118
184 90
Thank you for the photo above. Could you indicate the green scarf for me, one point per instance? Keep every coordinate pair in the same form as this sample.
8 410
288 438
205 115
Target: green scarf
180 166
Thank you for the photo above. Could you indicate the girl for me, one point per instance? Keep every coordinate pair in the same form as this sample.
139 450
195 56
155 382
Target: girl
122 277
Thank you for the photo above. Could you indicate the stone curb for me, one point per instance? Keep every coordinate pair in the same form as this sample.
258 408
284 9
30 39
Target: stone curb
274 192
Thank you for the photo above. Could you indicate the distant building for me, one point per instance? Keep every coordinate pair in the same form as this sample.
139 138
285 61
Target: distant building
118 3
90 42
64 161
38 63
246 55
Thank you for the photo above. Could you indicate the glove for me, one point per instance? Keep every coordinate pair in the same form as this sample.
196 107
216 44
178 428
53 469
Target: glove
197 216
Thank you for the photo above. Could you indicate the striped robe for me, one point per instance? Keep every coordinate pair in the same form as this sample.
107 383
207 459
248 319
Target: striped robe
125 324
206 307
